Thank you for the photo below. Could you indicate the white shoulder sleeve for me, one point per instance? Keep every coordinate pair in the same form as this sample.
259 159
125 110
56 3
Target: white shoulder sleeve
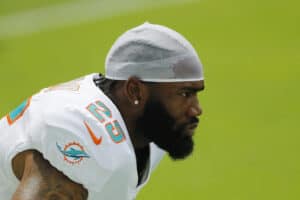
76 144
76 132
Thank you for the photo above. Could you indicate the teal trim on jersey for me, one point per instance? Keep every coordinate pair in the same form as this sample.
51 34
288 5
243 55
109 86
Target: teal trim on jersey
115 131
99 110
18 111
94 110
106 110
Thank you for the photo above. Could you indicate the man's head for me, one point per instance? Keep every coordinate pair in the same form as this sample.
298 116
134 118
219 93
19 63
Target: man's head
159 75
170 116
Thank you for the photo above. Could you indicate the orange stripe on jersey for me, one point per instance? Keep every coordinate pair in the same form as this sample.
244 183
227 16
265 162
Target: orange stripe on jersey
96 140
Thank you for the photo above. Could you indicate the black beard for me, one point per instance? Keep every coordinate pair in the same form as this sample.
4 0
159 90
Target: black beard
157 125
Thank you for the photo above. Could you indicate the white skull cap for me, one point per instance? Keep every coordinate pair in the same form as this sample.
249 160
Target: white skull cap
153 53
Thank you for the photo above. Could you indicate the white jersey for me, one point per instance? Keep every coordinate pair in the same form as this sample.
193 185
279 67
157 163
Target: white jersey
80 132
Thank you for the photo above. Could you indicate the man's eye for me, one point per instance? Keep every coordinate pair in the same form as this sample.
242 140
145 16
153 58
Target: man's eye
185 94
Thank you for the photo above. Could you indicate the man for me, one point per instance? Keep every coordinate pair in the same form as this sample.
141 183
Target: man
100 137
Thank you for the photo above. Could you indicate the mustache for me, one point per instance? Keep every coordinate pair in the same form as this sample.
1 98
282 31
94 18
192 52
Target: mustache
193 120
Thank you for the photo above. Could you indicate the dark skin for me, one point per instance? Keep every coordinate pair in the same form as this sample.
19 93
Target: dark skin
39 180
180 99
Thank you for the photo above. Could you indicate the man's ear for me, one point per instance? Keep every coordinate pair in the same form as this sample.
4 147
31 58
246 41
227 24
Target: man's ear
136 92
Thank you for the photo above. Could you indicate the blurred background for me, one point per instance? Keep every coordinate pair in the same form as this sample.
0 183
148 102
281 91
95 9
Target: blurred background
247 144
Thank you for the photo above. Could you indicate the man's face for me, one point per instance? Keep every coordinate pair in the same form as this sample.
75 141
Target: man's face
171 116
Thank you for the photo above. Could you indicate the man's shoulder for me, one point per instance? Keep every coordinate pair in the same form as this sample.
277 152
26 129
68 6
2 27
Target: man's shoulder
83 130
85 143
74 91
71 96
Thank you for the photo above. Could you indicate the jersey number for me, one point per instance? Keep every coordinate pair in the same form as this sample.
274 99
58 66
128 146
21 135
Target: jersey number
101 112
18 112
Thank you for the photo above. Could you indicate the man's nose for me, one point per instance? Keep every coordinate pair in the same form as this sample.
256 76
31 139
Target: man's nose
195 109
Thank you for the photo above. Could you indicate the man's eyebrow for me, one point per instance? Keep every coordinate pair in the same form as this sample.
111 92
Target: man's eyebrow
193 89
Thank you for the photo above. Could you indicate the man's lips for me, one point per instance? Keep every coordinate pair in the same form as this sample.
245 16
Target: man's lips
192 125
191 128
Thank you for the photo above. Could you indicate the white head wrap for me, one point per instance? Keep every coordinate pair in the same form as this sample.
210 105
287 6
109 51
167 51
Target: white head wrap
153 53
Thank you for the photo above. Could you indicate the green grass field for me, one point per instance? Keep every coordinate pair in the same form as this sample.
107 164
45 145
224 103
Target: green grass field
247 146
